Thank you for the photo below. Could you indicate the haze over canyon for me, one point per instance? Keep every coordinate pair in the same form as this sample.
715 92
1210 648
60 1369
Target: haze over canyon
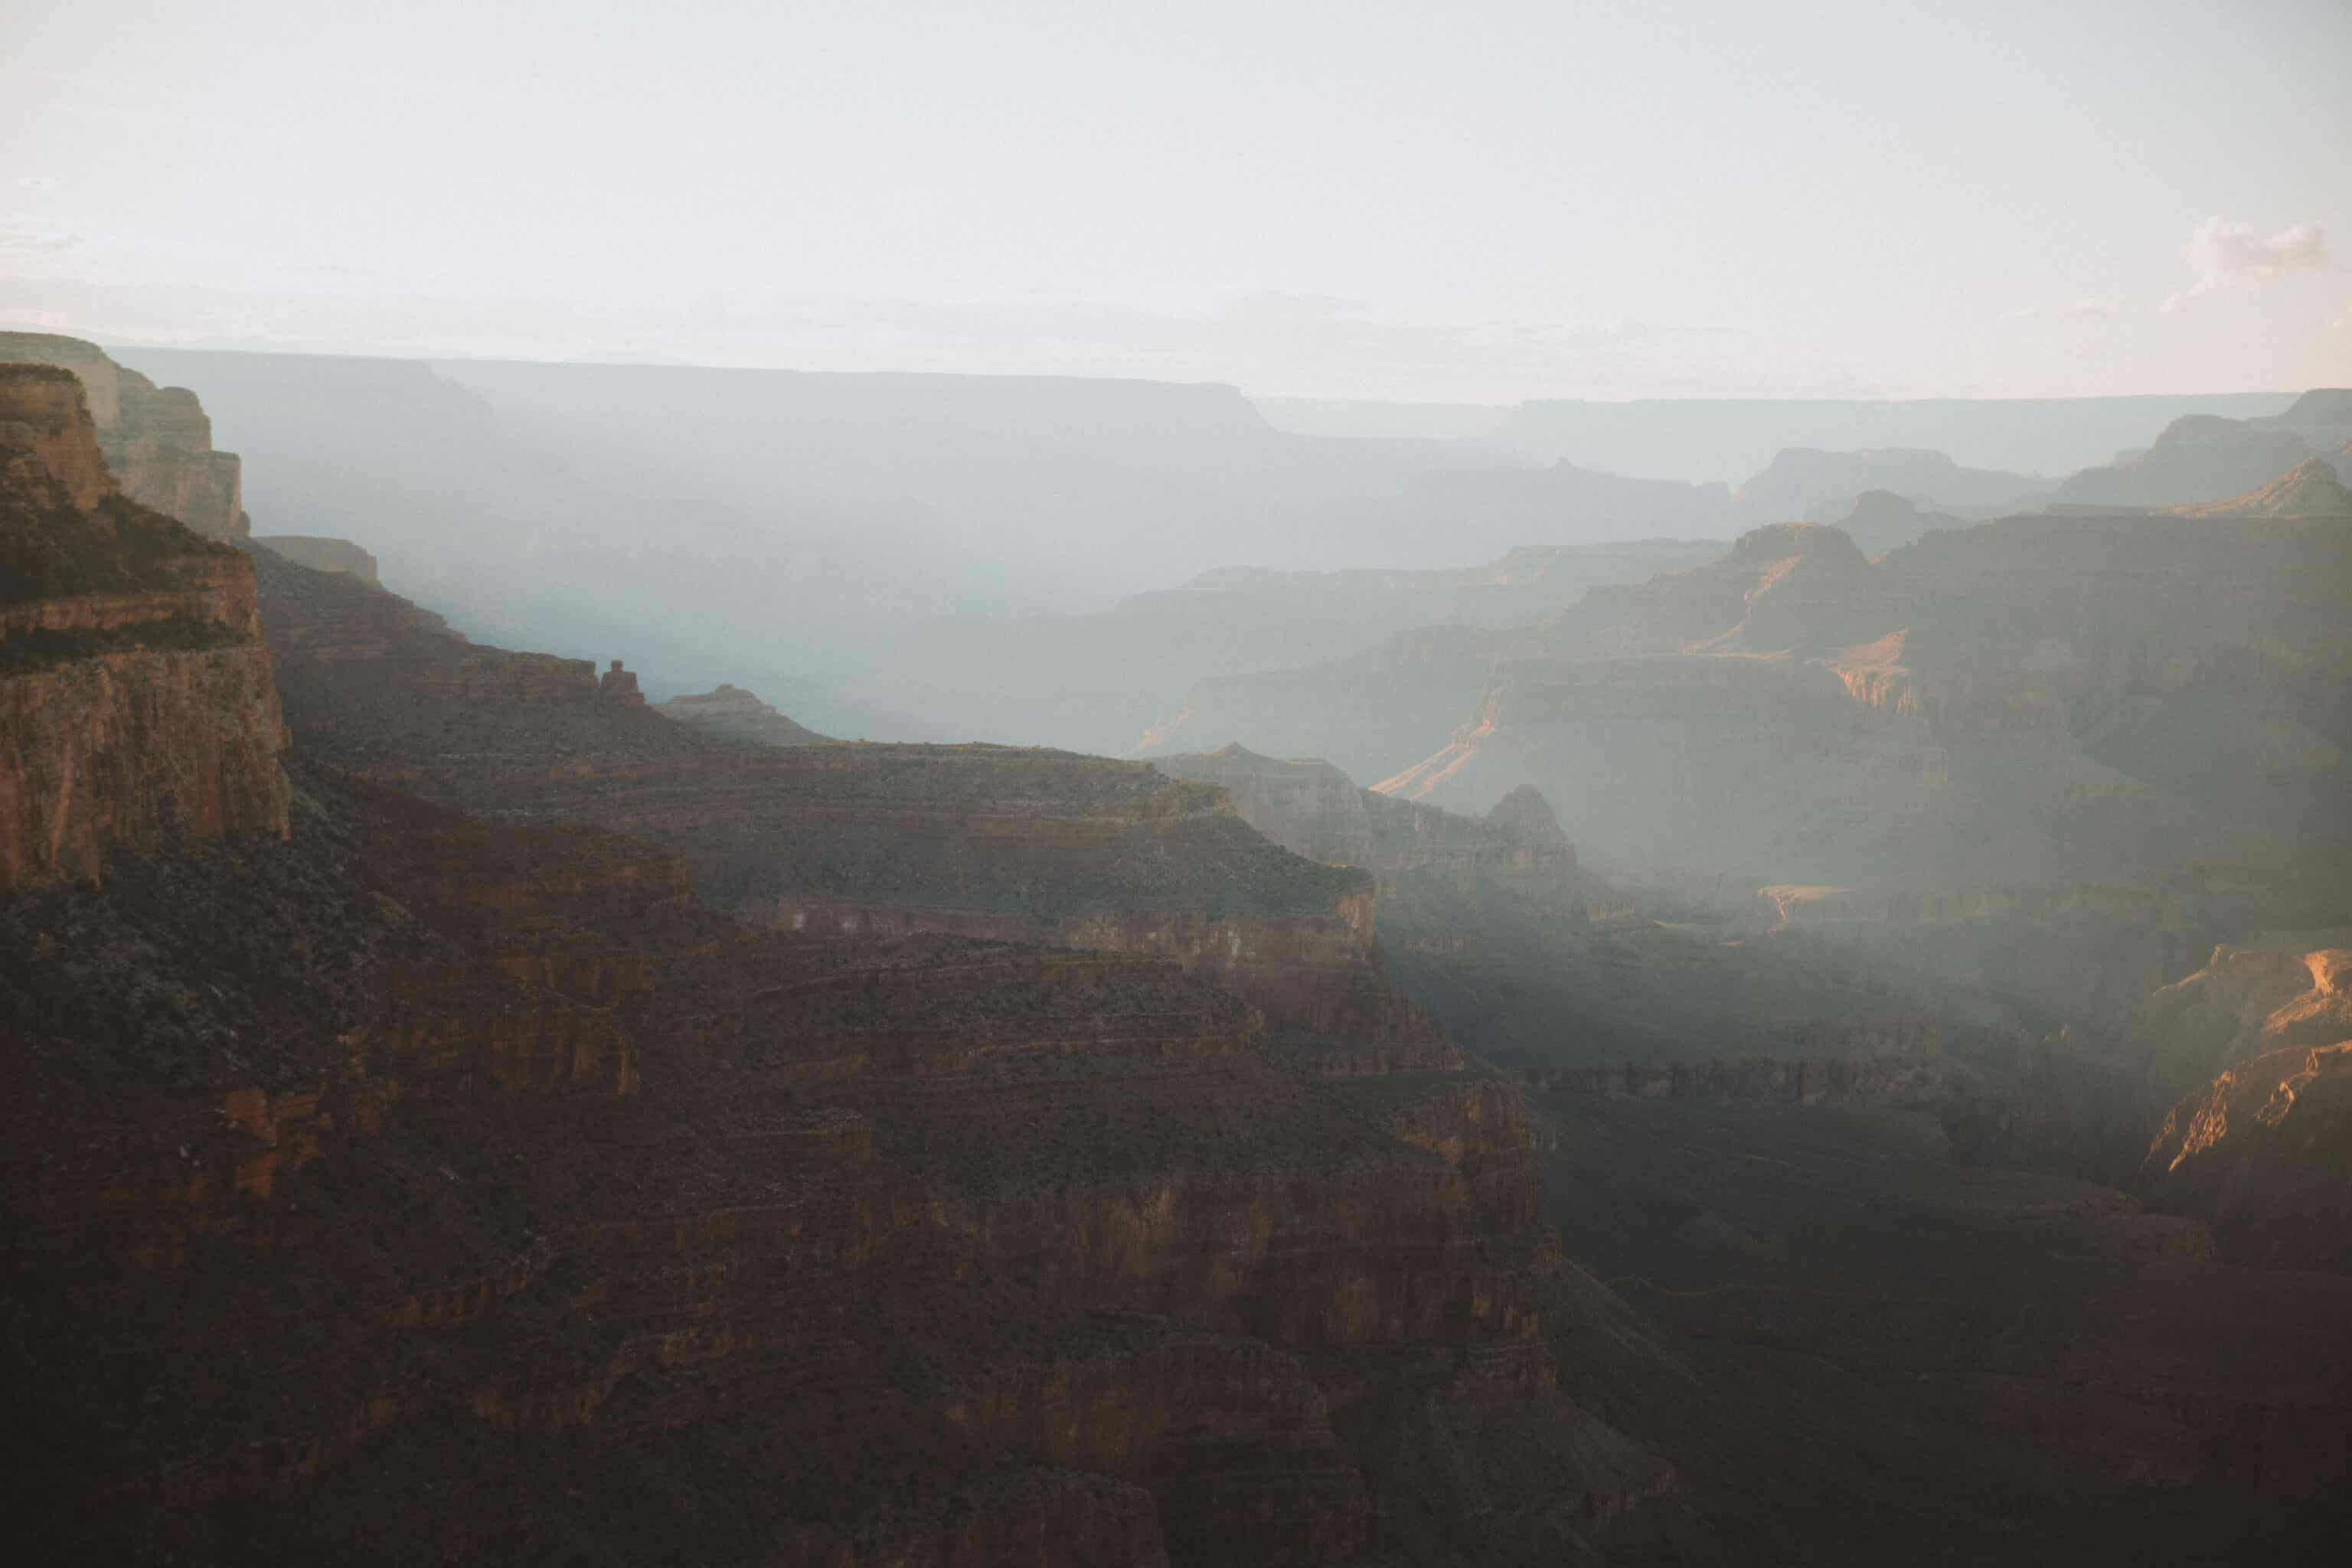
902 789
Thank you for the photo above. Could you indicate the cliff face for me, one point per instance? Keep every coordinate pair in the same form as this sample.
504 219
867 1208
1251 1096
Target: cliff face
156 440
2264 1152
852 1251
135 693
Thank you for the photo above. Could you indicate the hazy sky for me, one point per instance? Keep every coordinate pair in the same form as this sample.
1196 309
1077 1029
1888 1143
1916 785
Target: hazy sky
1480 200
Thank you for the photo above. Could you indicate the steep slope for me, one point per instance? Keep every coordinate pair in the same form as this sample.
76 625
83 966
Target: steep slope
2265 1154
135 695
157 441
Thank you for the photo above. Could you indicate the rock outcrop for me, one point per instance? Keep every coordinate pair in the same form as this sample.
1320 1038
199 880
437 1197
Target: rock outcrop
733 713
135 693
1881 520
1800 481
2264 1153
157 441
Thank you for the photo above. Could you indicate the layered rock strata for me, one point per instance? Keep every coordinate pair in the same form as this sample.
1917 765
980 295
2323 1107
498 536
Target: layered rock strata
135 693
157 441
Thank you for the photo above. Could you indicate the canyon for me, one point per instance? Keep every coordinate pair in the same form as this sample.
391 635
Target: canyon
462 1110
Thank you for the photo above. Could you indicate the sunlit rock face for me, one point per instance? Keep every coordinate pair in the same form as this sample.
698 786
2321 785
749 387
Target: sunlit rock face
157 441
135 693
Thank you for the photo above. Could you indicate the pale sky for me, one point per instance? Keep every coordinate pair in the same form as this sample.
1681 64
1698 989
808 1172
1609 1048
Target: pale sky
1482 200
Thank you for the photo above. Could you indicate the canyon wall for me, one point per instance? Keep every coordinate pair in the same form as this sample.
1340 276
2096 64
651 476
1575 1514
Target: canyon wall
157 441
135 694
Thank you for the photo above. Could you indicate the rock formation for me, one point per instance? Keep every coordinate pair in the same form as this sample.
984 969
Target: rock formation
1881 520
2264 1153
735 714
135 694
412 1154
2199 458
2310 488
156 441
1801 483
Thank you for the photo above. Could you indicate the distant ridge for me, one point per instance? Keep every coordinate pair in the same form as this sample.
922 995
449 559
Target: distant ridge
2310 488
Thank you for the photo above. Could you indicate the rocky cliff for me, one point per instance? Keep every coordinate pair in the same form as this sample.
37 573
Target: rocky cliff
157 441
135 693
481 1140
412 1154
2264 1152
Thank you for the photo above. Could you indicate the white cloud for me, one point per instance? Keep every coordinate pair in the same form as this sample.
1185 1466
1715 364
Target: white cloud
2227 254
37 182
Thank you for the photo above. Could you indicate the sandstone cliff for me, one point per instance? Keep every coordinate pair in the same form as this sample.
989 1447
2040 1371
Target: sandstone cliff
135 693
156 440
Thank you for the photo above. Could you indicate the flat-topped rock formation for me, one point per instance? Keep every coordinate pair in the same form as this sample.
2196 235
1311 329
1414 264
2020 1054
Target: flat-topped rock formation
135 698
733 713
156 440
1799 481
